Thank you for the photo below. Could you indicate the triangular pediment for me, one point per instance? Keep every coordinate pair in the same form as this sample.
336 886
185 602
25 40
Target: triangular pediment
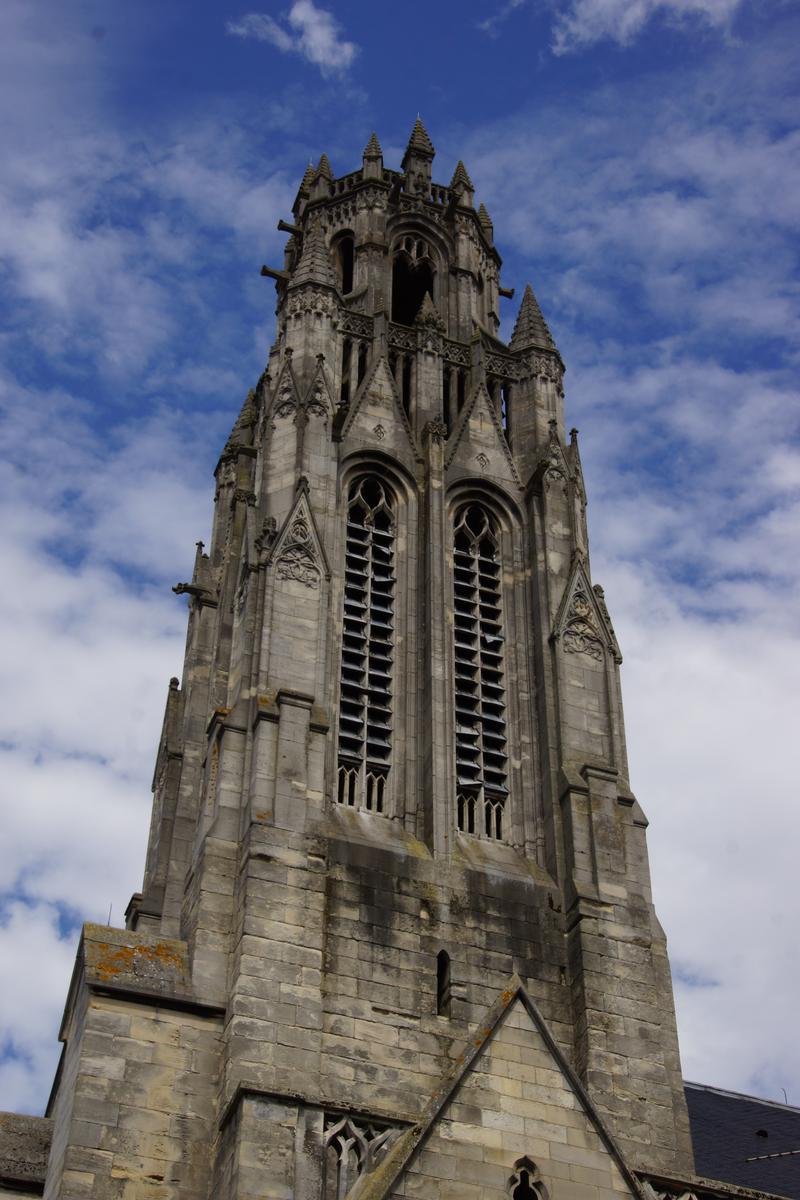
319 399
297 552
376 414
477 443
512 1092
286 397
582 622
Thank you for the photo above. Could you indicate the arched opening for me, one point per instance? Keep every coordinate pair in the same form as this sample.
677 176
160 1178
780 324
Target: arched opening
443 993
412 277
344 256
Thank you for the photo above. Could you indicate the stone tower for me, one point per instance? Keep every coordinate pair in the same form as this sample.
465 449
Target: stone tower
395 936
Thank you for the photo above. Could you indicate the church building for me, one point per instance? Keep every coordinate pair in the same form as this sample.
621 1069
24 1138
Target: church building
396 935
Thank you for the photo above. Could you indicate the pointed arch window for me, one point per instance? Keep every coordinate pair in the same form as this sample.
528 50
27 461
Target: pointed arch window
366 674
480 701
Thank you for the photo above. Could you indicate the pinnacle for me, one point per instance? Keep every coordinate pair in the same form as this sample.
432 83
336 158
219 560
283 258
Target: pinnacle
373 147
531 327
428 313
244 422
419 140
484 218
315 262
308 178
323 168
461 177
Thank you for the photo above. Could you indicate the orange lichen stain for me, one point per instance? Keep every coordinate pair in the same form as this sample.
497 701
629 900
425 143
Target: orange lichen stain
121 960
507 997
261 816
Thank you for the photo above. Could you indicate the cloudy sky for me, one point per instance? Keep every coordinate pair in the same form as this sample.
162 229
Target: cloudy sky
640 161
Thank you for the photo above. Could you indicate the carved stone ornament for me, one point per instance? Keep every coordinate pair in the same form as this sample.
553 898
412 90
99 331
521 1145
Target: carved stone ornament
581 635
316 404
352 1148
286 401
297 562
482 460
380 432
267 535
296 558
436 430
308 299
546 366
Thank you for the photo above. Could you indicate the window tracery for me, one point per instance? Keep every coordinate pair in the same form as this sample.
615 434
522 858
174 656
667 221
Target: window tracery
480 707
365 703
352 1147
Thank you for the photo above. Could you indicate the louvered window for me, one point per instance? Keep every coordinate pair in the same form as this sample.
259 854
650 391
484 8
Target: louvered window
365 704
480 709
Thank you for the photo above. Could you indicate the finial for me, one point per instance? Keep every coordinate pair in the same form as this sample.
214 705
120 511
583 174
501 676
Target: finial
323 168
308 178
373 147
461 178
573 435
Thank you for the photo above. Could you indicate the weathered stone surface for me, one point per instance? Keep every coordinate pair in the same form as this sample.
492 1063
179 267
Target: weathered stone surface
305 960
24 1147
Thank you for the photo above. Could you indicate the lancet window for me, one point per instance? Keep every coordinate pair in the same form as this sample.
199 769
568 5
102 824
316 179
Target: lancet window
365 697
480 704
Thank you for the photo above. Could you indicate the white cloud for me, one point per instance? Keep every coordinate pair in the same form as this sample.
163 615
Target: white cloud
583 22
314 34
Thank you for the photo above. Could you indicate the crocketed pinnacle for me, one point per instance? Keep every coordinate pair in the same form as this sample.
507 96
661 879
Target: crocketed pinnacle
531 327
308 179
323 168
428 313
240 435
460 178
315 264
484 218
373 147
419 142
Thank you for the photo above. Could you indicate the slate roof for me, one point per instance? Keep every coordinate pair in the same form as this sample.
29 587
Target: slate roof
743 1140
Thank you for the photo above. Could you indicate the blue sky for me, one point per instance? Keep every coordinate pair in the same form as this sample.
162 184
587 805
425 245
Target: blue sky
640 162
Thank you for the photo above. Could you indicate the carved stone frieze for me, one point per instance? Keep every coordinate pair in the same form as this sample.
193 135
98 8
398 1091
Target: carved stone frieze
456 353
402 337
356 324
311 299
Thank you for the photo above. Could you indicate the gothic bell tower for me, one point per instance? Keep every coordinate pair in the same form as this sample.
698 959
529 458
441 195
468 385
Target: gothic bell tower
395 936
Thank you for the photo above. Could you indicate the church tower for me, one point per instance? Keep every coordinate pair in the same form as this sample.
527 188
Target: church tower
395 936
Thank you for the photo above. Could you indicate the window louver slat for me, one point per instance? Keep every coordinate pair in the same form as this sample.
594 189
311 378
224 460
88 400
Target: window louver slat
365 728
481 735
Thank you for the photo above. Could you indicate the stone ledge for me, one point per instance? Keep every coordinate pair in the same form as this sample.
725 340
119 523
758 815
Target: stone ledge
24 1147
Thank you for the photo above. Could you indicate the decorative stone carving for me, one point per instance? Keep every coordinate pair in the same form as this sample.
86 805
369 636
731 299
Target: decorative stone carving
456 353
581 635
356 324
380 432
482 460
297 559
436 430
402 338
352 1148
310 299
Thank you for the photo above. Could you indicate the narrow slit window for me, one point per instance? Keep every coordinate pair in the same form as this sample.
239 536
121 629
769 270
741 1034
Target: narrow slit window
443 987
366 671
479 697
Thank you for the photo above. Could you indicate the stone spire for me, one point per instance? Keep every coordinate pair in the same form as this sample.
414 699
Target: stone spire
461 178
461 185
419 142
486 223
531 328
372 158
373 147
323 168
242 432
315 264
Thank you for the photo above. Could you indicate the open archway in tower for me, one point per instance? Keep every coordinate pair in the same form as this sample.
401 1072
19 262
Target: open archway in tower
412 277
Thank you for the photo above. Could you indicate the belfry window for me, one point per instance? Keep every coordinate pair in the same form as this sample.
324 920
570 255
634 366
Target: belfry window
412 277
480 709
365 702
344 250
